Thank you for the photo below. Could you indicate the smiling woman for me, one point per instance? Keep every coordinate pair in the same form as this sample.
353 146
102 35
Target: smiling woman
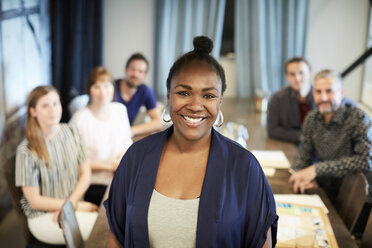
189 186
194 99
51 167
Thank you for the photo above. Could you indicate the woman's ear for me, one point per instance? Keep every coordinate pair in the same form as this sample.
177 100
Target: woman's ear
32 112
168 96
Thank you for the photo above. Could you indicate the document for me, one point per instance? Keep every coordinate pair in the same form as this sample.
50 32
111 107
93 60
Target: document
269 172
271 159
303 226
307 200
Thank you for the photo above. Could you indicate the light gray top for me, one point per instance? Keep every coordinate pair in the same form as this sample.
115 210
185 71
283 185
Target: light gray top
172 222
56 179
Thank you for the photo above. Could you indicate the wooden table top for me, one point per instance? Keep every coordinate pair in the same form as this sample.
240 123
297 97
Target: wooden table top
242 112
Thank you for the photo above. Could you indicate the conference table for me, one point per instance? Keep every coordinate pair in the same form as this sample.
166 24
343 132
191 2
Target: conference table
243 112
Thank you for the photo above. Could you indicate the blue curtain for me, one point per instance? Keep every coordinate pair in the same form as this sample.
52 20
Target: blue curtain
177 23
77 45
267 33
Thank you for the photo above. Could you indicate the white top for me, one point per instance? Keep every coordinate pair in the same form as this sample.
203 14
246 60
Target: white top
105 139
172 222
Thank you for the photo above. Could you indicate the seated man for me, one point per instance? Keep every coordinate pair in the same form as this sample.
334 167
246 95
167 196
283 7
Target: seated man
288 107
133 93
339 136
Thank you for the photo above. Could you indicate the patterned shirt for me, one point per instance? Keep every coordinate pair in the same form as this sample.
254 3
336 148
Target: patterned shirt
344 145
56 179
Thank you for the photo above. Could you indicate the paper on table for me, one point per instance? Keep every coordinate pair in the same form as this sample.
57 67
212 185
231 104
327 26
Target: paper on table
308 200
269 172
273 159
288 225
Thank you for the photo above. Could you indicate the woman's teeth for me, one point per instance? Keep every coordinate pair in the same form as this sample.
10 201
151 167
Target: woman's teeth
193 120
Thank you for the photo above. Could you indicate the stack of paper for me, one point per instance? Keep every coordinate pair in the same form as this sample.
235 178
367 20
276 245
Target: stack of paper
271 159
308 200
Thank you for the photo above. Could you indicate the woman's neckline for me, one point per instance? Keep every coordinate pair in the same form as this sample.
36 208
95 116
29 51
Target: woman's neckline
176 199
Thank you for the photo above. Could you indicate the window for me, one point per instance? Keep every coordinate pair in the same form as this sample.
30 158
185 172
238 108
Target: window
25 58
24 53
366 92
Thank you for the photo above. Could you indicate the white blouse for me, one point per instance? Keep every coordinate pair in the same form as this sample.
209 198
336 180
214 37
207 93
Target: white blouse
105 139
172 222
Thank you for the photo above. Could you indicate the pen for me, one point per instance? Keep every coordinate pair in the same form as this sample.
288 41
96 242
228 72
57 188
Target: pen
292 171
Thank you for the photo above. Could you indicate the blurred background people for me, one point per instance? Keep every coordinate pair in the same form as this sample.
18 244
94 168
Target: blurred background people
105 128
336 139
133 93
288 107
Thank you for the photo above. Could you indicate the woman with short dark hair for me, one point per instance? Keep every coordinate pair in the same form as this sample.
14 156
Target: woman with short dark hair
189 186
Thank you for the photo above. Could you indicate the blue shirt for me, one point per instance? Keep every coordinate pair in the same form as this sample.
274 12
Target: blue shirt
143 96
236 206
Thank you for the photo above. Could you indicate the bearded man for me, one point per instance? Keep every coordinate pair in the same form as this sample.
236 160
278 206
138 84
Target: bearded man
133 93
336 139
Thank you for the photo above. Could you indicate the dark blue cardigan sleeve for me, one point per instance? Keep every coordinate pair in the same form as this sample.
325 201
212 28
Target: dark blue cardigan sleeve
116 202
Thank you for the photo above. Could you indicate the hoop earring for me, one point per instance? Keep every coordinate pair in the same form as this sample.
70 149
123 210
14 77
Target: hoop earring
166 115
219 120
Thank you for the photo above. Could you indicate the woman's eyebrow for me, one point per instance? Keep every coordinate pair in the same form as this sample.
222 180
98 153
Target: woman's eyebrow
184 86
210 88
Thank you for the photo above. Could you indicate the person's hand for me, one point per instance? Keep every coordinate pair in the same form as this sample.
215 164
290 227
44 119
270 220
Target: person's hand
114 165
85 206
55 216
303 179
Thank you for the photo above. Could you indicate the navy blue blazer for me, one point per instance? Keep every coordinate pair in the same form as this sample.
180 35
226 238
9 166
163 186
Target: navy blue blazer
236 206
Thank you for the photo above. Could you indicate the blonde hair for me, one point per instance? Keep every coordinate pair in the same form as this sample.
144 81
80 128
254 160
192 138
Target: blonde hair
34 135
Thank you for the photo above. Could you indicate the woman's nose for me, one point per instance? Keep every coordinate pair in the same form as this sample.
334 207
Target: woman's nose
195 104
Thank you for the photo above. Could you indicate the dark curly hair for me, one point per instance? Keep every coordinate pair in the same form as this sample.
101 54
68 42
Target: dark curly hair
202 47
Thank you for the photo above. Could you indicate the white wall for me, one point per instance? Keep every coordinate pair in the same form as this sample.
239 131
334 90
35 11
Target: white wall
228 64
337 34
128 28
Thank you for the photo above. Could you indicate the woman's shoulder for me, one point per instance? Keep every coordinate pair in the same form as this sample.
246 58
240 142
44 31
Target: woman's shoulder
240 159
118 107
80 114
23 147
233 146
68 129
151 141
148 146
24 153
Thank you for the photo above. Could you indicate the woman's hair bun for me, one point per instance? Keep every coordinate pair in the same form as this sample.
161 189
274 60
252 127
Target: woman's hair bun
203 44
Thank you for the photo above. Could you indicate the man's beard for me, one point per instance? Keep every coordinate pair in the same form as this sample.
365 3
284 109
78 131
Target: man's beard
130 84
331 109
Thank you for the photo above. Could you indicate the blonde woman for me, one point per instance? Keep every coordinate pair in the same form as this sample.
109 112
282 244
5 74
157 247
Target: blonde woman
51 167
105 128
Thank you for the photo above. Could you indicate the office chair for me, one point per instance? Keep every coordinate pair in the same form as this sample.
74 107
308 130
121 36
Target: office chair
367 235
16 195
352 198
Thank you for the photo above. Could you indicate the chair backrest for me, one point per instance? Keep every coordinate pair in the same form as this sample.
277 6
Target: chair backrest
78 103
15 195
366 241
351 198
68 222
